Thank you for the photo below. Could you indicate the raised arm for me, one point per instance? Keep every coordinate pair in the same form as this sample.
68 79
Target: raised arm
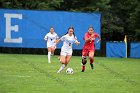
99 39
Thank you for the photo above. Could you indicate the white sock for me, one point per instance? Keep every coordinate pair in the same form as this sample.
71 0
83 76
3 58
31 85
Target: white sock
49 57
61 68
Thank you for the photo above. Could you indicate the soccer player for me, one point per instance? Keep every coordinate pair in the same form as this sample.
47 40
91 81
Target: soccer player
66 51
89 49
51 38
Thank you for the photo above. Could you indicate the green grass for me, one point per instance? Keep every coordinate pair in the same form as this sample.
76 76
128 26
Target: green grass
32 74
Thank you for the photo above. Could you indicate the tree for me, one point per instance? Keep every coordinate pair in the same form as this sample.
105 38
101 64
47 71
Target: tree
119 17
126 11
135 21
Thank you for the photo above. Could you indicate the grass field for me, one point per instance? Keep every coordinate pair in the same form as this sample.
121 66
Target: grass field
20 73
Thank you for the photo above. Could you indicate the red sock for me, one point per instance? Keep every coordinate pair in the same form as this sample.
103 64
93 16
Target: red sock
83 68
91 60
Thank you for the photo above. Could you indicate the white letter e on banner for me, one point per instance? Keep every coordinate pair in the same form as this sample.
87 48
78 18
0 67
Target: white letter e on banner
10 28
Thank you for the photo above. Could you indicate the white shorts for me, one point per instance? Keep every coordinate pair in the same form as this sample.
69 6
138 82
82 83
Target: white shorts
65 52
50 45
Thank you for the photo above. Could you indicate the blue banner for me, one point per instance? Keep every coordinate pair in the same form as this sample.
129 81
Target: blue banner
135 50
116 49
27 28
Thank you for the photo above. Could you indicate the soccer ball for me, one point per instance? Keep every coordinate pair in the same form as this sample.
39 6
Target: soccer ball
69 71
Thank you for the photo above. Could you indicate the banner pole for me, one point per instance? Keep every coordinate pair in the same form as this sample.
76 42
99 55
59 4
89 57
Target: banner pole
125 41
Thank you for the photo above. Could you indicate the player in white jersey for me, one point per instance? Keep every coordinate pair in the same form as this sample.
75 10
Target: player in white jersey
66 51
51 38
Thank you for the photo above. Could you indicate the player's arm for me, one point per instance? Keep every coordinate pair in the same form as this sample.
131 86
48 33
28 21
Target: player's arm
99 39
76 41
60 39
57 38
56 42
46 37
87 38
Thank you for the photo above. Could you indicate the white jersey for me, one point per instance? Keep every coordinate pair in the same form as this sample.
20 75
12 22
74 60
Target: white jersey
51 38
67 43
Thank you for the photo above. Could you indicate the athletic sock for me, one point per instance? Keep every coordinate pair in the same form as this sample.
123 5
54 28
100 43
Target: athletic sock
61 68
84 61
49 57
91 63
83 68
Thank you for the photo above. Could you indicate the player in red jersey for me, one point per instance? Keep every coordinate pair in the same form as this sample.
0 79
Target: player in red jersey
89 49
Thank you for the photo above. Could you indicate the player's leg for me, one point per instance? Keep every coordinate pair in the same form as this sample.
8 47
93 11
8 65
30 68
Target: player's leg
91 57
68 57
63 62
52 50
84 59
49 54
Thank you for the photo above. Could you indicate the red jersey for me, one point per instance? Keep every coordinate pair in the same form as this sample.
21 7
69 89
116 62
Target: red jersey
90 44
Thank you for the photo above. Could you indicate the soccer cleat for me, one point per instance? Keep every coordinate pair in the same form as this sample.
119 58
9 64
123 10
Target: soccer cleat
92 67
82 71
58 72
49 61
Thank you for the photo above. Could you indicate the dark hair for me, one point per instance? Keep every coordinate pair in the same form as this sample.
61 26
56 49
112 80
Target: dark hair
51 27
68 31
71 28
91 27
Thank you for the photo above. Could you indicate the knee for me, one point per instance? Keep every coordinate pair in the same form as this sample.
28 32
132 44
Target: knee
63 61
90 57
53 49
84 60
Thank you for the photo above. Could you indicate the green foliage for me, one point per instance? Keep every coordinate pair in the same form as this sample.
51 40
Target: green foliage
119 17
127 13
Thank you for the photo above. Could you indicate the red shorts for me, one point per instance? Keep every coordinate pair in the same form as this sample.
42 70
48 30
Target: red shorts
85 51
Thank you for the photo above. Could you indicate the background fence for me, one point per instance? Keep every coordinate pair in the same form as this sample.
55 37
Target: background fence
118 49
